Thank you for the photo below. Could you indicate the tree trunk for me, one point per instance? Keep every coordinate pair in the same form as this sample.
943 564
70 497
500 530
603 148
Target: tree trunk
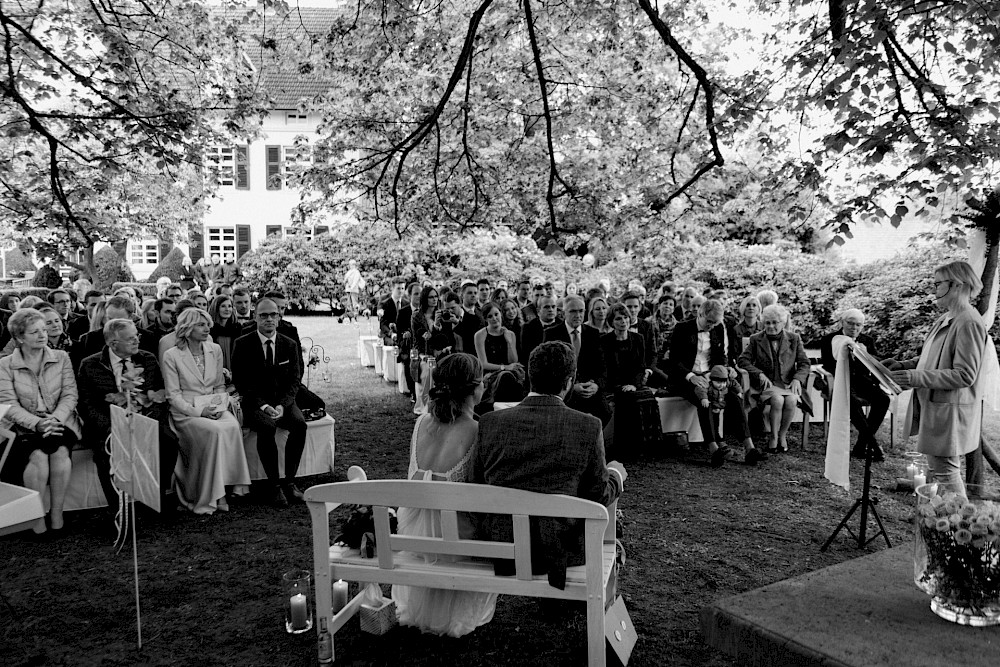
87 267
973 462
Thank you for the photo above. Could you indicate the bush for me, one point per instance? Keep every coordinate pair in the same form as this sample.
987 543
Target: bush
21 292
143 289
47 277
169 266
110 268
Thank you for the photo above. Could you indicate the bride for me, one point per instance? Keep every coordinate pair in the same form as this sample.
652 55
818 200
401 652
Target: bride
441 449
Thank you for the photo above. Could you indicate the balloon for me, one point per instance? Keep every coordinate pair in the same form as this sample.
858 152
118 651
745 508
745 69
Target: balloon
589 260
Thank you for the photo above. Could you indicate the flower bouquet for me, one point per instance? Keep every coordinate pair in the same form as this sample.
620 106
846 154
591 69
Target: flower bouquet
957 556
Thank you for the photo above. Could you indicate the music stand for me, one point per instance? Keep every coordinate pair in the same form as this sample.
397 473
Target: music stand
867 503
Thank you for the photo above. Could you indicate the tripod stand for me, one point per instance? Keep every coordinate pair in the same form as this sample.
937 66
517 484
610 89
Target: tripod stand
866 503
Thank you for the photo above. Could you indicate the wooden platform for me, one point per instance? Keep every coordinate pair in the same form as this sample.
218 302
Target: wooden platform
863 612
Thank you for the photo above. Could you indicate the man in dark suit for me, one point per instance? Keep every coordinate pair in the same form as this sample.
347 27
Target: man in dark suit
267 367
242 308
391 306
463 324
99 375
63 305
405 335
533 332
633 304
865 389
591 374
4 334
543 446
524 302
119 307
79 327
695 347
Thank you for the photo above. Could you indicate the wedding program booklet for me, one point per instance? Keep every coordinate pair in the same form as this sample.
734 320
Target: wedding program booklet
218 401
875 367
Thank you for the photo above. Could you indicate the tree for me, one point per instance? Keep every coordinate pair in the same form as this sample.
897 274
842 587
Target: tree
106 108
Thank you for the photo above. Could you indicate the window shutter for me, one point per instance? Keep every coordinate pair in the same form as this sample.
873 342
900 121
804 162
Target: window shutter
321 229
197 245
272 230
273 167
242 168
242 240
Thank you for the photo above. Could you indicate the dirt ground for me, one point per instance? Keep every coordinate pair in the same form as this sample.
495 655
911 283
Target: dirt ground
210 586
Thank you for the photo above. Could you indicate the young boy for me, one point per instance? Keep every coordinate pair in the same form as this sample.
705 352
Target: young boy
714 396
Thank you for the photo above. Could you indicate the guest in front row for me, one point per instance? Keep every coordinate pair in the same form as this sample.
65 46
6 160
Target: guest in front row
588 390
266 371
38 385
441 449
543 446
496 349
779 369
101 374
211 439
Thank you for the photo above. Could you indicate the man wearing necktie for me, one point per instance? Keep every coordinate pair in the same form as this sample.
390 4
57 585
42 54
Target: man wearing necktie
101 374
390 310
588 388
266 372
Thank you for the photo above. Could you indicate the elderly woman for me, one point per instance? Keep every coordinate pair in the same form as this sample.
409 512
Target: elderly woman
597 315
624 354
947 406
210 437
38 384
225 328
778 368
749 313
664 323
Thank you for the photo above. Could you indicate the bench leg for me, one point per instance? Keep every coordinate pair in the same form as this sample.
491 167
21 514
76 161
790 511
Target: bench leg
595 632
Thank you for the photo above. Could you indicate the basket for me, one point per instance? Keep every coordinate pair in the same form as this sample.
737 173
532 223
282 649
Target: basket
378 620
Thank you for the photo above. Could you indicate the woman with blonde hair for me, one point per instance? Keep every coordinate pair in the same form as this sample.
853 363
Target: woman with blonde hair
597 315
210 438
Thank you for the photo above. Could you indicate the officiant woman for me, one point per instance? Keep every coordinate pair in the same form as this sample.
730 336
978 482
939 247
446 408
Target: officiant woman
947 405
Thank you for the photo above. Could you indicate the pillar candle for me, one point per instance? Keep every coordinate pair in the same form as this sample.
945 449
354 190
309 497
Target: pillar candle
911 471
339 595
298 611
919 480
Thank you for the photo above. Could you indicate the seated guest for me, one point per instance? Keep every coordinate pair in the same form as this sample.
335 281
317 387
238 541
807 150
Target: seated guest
597 315
198 298
749 318
686 309
225 329
543 446
624 355
525 301
464 325
588 390
470 297
533 333
81 325
210 436
663 326
441 450
865 389
634 305
117 307
37 383
242 306
58 340
390 310
266 371
512 318
162 317
483 291
4 334
496 350
174 292
499 295
63 304
766 297
695 347
101 374
9 302
32 302
146 315
168 340
778 368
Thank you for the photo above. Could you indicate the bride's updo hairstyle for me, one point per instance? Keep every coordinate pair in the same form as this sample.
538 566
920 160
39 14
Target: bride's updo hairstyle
456 377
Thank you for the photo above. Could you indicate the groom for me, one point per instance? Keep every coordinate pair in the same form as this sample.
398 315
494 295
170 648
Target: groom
543 446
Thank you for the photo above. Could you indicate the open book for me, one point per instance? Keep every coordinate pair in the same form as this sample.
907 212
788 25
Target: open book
875 367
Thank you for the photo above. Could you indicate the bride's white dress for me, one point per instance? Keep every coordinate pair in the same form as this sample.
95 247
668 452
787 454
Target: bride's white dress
438 611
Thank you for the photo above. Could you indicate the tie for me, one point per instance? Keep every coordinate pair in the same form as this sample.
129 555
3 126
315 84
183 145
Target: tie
121 373
269 354
576 341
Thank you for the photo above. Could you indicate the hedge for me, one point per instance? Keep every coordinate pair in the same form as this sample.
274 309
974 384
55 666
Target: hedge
21 292
169 266
110 268
143 289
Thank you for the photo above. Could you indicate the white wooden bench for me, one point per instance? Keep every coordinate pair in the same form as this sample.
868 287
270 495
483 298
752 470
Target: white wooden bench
399 559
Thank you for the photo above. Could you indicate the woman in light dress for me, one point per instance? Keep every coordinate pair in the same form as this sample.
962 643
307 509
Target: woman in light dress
210 438
441 449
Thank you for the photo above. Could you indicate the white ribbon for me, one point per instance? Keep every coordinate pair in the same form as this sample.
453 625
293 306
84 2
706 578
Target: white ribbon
838 443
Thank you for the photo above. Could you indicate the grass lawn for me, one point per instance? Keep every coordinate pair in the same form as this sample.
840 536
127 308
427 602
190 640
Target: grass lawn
211 585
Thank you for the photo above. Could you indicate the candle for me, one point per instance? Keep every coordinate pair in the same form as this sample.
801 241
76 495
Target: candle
919 480
339 595
911 472
298 603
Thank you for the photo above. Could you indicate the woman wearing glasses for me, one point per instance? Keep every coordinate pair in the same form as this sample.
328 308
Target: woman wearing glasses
947 406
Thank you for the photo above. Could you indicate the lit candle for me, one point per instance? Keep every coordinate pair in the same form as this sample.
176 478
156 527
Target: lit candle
911 472
919 480
339 595
298 603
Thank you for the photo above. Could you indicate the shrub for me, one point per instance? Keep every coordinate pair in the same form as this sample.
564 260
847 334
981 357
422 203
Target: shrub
169 266
143 289
110 268
47 277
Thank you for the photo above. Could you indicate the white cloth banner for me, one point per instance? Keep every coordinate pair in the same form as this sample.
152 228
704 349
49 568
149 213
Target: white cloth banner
135 456
838 443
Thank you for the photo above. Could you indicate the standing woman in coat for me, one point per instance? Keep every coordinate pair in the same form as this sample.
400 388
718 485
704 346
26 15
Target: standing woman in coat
37 383
947 403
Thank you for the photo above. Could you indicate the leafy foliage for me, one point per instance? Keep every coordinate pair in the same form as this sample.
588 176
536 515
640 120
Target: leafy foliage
17 263
48 277
169 266
109 268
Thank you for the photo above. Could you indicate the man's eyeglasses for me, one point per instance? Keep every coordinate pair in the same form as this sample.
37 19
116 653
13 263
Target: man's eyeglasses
268 316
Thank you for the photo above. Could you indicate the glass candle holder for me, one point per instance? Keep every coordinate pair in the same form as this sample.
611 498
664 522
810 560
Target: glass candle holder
297 594
916 468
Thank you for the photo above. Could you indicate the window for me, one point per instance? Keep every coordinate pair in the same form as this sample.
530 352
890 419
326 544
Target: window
145 251
229 166
286 163
272 230
220 240
293 118
301 232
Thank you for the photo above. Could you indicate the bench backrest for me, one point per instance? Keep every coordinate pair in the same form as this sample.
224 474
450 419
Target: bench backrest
452 498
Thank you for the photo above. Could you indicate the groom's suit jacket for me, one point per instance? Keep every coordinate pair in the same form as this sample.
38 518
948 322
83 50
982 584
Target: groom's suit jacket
543 446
